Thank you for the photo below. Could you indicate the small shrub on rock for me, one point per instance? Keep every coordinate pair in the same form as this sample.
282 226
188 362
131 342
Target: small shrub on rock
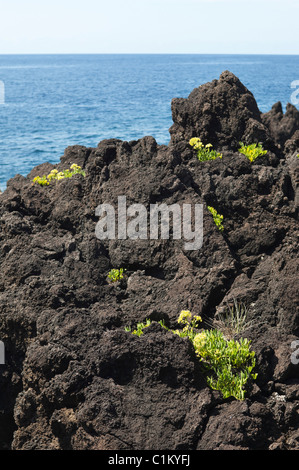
228 364
59 175
141 326
116 274
204 152
252 151
218 218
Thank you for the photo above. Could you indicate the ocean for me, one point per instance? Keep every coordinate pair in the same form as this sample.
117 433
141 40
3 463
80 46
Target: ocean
49 102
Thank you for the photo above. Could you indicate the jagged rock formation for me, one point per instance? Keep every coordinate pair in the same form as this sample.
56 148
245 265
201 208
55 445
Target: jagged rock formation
223 112
281 126
74 378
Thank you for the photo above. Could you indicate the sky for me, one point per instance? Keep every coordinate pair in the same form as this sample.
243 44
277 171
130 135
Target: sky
149 26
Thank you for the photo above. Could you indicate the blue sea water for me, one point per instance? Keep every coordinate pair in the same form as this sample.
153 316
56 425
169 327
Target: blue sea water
53 101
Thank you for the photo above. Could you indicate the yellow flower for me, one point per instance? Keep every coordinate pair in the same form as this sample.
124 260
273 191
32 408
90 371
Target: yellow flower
195 141
199 342
52 175
185 316
75 167
197 318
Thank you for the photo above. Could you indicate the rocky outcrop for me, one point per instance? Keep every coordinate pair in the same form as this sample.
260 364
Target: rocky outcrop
282 126
223 112
74 378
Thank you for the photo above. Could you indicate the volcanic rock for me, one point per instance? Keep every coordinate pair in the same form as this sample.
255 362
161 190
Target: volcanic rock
282 126
74 377
223 112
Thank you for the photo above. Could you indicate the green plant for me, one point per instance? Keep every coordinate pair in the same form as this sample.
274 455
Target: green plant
140 327
218 218
252 151
204 152
59 175
232 320
116 274
228 364
41 180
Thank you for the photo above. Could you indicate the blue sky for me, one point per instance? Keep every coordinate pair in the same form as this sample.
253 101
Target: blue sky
149 26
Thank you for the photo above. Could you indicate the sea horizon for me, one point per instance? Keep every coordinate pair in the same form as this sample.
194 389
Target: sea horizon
145 53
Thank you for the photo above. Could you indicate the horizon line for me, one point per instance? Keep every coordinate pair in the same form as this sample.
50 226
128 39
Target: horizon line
149 53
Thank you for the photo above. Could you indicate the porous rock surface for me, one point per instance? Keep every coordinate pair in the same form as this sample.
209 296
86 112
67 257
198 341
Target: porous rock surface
74 378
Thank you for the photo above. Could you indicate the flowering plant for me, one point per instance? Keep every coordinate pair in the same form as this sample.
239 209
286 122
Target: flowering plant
228 364
204 152
59 175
